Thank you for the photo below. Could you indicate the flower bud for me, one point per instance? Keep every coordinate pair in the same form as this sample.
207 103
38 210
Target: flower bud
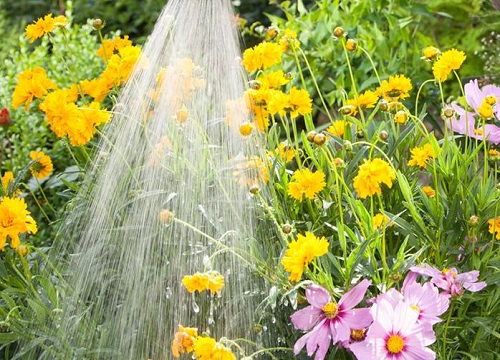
246 128
98 24
401 117
310 135
473 220
360 134
272 32
286 228
383 105
351 45
182 114
449 113
22 250
288 76
347 145
254 84
254 189
347 110
338 32
430 52
165 216
383 135
5 117
319 139
396 276
338 162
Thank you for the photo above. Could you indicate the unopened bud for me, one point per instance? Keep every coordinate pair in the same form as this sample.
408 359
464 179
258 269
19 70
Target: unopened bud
473 220
182 114
254 84
254 189
22 250
310 135
286 228
5 117
351 45
98 24
383 105
338 32
288 76
272 32
383 135
347 110
396 276
401 117
347 145
165 216
319 139
449 113
246 129
360 134
338 162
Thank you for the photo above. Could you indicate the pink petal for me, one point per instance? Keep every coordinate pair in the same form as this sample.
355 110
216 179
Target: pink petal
306 318
317 296
354 296
473 94
364 350
426 270
358 318
340 330
492 133
410 279
475 286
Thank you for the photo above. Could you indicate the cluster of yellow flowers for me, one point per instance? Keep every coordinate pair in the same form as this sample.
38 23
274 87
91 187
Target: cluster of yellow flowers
187 340
301 252
76 111
204 281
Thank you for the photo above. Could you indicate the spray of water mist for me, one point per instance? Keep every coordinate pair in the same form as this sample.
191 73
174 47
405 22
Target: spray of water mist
161 199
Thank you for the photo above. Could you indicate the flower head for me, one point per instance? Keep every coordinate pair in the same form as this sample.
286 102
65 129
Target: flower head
397 87
7 181
212 281
329 322
300 102
420 155
366 100
430 53
494 227
262 56
31 84
42 166
44 25
371 175
206 348
306 183
448 61
184 340
301 252
337 128
15 219
429 191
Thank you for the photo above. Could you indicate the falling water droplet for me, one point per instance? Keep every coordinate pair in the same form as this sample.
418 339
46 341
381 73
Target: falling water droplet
273 320
196 308
168 292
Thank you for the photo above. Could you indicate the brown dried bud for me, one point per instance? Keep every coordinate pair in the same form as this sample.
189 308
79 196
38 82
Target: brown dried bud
310 135
286 228
319 139
338 32
383 135
254 189
98 24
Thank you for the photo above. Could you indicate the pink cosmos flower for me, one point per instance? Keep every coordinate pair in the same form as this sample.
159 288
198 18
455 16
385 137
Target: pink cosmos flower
464 122
395 334
330 322
450 280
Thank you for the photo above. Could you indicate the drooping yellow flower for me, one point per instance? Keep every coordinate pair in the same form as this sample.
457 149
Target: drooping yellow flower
184 340
44 25
420 155
494 227
206 348
300 102
338 128
397 87
448 61
203 281
429 191
366 100
262 56
31 84
15 219
306 183
7 180
301 253
43 165
110 47
373 173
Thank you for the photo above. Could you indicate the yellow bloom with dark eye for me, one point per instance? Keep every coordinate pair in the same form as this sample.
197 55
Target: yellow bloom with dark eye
494 227
15 219
31 84
306 183
448 61
44 26
371 174
43 165
301 253
184 340
338 128
262 56
366 100
397 87
300 102
420 155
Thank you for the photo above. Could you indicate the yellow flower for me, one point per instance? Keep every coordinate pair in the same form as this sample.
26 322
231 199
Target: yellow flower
301 252
32 84
184 340
494 227
430 52
338 127
250 171
366 100
400 117
300 102
289 37
44 26
485 110
371 175
206 281
246 129
420 155
43 165
305 182
278 102
15 219
262 56
273 79
429 191
380 220
97 88
448 61
120 65
284 152
206 348
7 180
110 47
397 87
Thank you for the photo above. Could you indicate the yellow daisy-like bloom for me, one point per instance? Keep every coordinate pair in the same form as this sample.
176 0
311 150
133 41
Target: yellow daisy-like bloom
273 79
430 53
278 102
110 47
203 281
43 166
371 175
15 219
7 179
120 65
366 100
429 191
494 227
184 341
44 26
300 102
289 37
380 220
97 88
257 101
250 171
306 183
338 128
262 56
397 87
206 348
31 84
448 61
485 110
420 155
301 253
284 152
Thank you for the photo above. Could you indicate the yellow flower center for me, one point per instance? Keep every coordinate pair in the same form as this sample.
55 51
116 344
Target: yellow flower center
416 308
358 334
330 310
491 100
395 344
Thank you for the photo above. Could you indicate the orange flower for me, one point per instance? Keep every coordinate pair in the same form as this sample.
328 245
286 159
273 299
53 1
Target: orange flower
44 26
31 84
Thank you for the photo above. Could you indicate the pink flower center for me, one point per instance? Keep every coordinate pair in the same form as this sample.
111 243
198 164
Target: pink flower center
395 344
330 310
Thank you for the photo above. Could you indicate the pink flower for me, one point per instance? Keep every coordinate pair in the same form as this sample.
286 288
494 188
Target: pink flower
450 280
330 322
395 334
